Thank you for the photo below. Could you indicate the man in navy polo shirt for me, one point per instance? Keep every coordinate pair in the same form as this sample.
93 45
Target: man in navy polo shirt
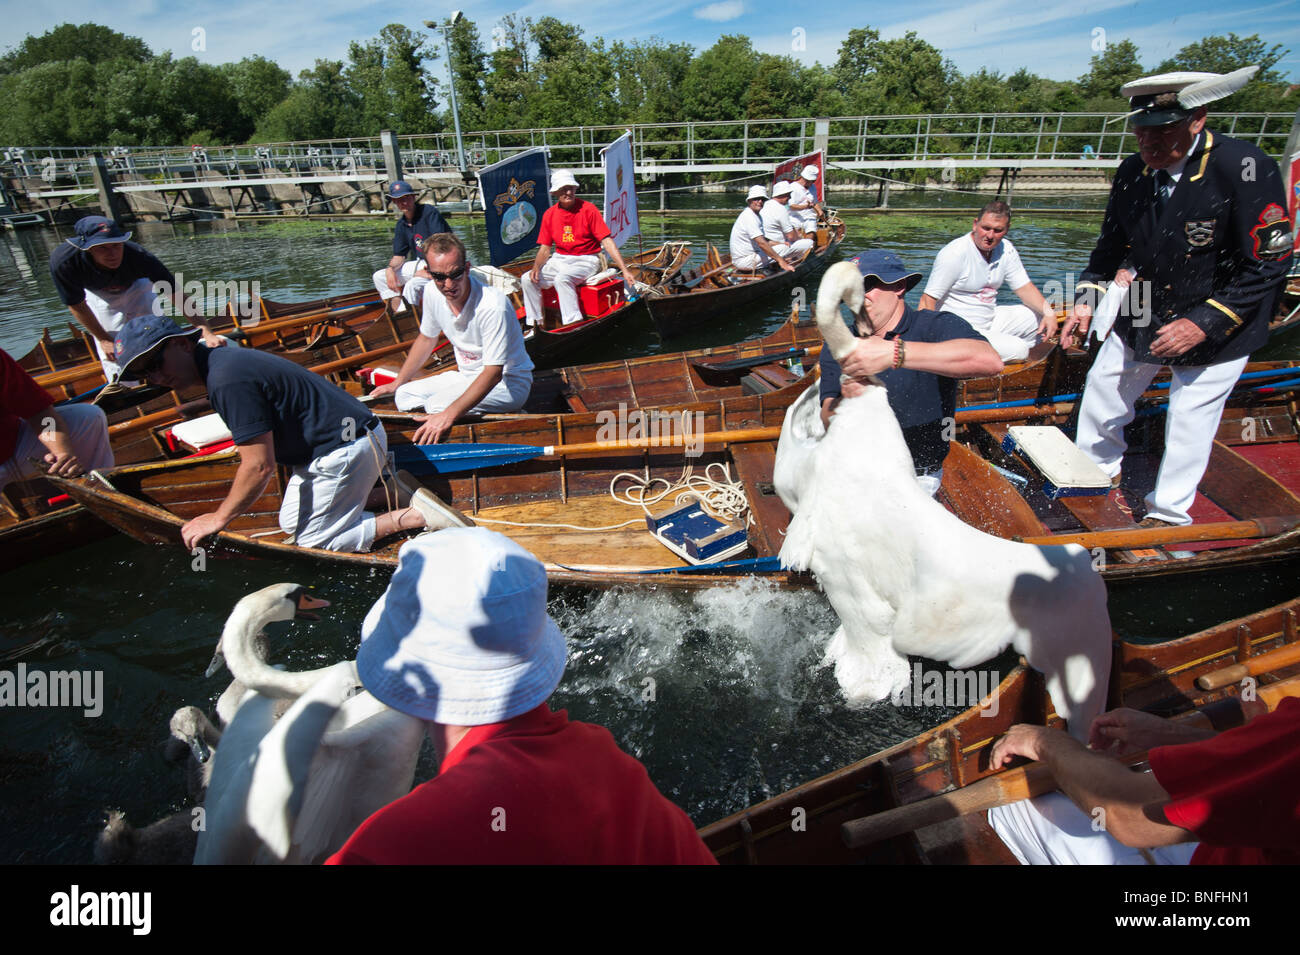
418 222
278 412
917 355
105 279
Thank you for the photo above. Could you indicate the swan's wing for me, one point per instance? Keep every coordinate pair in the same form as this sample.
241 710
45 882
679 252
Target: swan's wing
283 769
366 761
226 836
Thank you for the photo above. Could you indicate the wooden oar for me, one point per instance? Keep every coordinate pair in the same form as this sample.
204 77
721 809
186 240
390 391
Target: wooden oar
1159 536
1005 787
1264 663
450 458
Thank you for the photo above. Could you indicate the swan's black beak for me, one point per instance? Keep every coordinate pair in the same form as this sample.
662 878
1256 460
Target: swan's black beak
201 750
217 662
308 603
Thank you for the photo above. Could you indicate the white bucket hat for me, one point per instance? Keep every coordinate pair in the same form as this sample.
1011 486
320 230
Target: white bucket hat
561 178
809 173
461 636
756 192
782 188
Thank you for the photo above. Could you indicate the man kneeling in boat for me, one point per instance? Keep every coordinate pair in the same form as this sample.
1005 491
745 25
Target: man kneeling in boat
917 355
1237 792
966 277
493 371
461 639
280 413
69 441
750 249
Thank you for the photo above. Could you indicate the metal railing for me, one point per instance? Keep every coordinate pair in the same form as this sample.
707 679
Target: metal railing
1008 140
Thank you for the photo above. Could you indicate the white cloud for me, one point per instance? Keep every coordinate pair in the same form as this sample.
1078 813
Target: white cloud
721 12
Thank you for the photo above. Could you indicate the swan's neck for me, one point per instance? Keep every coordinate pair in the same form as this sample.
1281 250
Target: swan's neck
240 640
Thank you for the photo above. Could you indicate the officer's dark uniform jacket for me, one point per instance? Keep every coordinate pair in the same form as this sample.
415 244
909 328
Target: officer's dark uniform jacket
1218 254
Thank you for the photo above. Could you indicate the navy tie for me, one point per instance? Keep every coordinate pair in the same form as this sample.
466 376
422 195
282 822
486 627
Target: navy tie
1164 186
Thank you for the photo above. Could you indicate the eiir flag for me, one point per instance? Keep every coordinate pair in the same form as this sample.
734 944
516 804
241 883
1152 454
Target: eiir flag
514 198
620 190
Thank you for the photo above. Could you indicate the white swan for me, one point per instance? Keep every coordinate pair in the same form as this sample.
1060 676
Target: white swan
194 739
908 577
294 789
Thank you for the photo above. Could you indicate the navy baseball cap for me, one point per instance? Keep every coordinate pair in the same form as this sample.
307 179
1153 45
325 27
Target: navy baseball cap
885 268
400 188
96 230
142 335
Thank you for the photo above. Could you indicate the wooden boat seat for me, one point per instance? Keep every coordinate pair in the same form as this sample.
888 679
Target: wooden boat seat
770 517
767 378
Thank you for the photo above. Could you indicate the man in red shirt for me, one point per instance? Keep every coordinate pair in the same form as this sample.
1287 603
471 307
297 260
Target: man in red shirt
462 640
71 440
574 229
1237 792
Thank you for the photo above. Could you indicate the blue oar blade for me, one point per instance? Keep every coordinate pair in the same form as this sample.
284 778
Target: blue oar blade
450 458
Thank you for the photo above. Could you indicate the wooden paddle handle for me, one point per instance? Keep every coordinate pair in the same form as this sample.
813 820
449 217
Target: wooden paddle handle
1273 660
1154 536
1011 786
673 440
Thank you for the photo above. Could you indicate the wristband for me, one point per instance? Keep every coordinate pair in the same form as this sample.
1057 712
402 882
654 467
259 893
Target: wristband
900 353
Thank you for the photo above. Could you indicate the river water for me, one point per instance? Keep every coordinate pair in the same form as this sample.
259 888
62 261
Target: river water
721 694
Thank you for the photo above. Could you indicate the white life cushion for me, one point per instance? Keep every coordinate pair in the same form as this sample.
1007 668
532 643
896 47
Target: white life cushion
201 432
1057 459
604 276
494 277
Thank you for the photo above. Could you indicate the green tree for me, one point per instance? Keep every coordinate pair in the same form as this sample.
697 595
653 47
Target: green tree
395 90
468 66
718 80
87 41
1116 65
646 79
320 106
52 104
258 85
1220 54
510 84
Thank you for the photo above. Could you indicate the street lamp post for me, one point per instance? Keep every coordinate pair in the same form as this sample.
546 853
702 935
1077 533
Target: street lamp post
446 26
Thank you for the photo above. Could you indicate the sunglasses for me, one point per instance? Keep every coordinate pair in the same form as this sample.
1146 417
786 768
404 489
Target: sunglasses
448 276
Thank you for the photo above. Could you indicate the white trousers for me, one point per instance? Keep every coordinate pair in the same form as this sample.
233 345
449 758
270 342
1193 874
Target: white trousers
438 392
324 503
804 221
1013 331
564 273
1196 398
1051 830
798 247
87 433
412 287
113 310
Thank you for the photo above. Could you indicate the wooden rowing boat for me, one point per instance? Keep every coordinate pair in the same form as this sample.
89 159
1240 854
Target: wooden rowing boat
1247 512
1159 678
706 293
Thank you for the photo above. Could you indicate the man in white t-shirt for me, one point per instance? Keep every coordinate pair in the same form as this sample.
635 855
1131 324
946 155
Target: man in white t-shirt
804 207
493 371
777 227
749 248
966 277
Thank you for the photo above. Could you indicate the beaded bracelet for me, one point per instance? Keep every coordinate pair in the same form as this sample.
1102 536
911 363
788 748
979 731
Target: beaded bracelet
900 353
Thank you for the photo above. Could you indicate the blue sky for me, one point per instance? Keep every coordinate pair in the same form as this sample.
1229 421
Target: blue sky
1053 38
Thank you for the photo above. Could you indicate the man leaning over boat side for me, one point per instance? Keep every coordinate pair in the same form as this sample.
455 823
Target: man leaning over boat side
1202 218
405 276
281 413
749 247
105 280
967 274
777 227
917 355
461 639
69 440
1237 793
493 371
571 234
804 207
